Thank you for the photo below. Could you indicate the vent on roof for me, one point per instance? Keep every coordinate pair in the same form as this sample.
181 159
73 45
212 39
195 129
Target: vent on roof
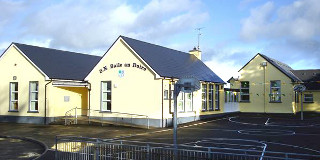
314 74
303 74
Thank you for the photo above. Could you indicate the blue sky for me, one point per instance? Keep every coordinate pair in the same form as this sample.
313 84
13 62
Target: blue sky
233 30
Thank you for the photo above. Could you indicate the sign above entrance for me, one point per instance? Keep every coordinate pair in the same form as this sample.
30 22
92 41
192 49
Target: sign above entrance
119 65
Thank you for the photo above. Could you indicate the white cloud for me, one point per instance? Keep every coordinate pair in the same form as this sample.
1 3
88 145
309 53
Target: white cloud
299 20
8 9
291 32
95 24
227 62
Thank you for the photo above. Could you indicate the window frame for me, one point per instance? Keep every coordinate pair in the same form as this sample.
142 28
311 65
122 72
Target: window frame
244 88
271 89
181 99
103 101
188 100
217 98
30 93
211 99
304 98
166 94
10 97
204 97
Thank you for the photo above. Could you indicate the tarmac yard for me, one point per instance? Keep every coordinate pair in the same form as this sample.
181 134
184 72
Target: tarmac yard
260 133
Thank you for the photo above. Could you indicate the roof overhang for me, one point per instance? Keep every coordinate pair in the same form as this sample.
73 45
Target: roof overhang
58 83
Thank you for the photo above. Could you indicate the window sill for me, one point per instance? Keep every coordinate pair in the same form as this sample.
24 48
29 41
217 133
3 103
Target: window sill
13 111
244 101
105 112
33 112
275 102
308 102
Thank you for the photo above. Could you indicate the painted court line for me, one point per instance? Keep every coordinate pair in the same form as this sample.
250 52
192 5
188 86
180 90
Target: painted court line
267 121
294 146
274 124
263 151
166 130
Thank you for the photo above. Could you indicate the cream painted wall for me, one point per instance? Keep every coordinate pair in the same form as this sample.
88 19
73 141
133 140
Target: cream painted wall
57 106
137 92
260 88
13 63
314 106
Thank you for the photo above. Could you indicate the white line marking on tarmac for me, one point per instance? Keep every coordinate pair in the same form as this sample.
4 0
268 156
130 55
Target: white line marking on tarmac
267 121
165 130
264 150
274 124
294 146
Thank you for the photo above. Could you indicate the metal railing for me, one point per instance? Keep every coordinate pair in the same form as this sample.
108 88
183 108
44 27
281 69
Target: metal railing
118 118
71 116
98 149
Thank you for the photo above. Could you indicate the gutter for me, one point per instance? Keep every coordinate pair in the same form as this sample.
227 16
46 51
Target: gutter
45 102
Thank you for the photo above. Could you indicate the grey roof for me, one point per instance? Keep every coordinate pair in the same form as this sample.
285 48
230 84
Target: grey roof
172 63
58 64
310 78
284 68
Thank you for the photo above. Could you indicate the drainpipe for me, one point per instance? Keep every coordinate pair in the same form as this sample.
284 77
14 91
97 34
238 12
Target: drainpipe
162 104
45 102
264 88
89 102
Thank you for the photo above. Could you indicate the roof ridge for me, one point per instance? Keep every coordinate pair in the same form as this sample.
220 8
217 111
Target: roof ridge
54 49
154 44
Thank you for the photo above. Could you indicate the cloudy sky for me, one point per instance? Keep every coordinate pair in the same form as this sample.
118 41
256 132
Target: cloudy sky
233 30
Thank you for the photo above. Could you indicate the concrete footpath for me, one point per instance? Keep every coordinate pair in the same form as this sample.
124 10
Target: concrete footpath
22 147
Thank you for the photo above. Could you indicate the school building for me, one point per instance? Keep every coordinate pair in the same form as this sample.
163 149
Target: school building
131 82
266 85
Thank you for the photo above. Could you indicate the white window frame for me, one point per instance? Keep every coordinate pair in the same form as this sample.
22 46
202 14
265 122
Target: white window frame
244 94
108 100
181 99
204 98
11 100
30 93
275 87
190 102
211 97
217 97
165 94
310 97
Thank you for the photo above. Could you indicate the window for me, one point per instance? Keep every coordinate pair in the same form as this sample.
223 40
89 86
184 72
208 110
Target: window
244 91
165 94
106 96
204 97
275 91
188 98
210 97
180 103
308 97
33 96
217 98
13 96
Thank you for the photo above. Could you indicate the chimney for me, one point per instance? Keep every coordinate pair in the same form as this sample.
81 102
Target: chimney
196 52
